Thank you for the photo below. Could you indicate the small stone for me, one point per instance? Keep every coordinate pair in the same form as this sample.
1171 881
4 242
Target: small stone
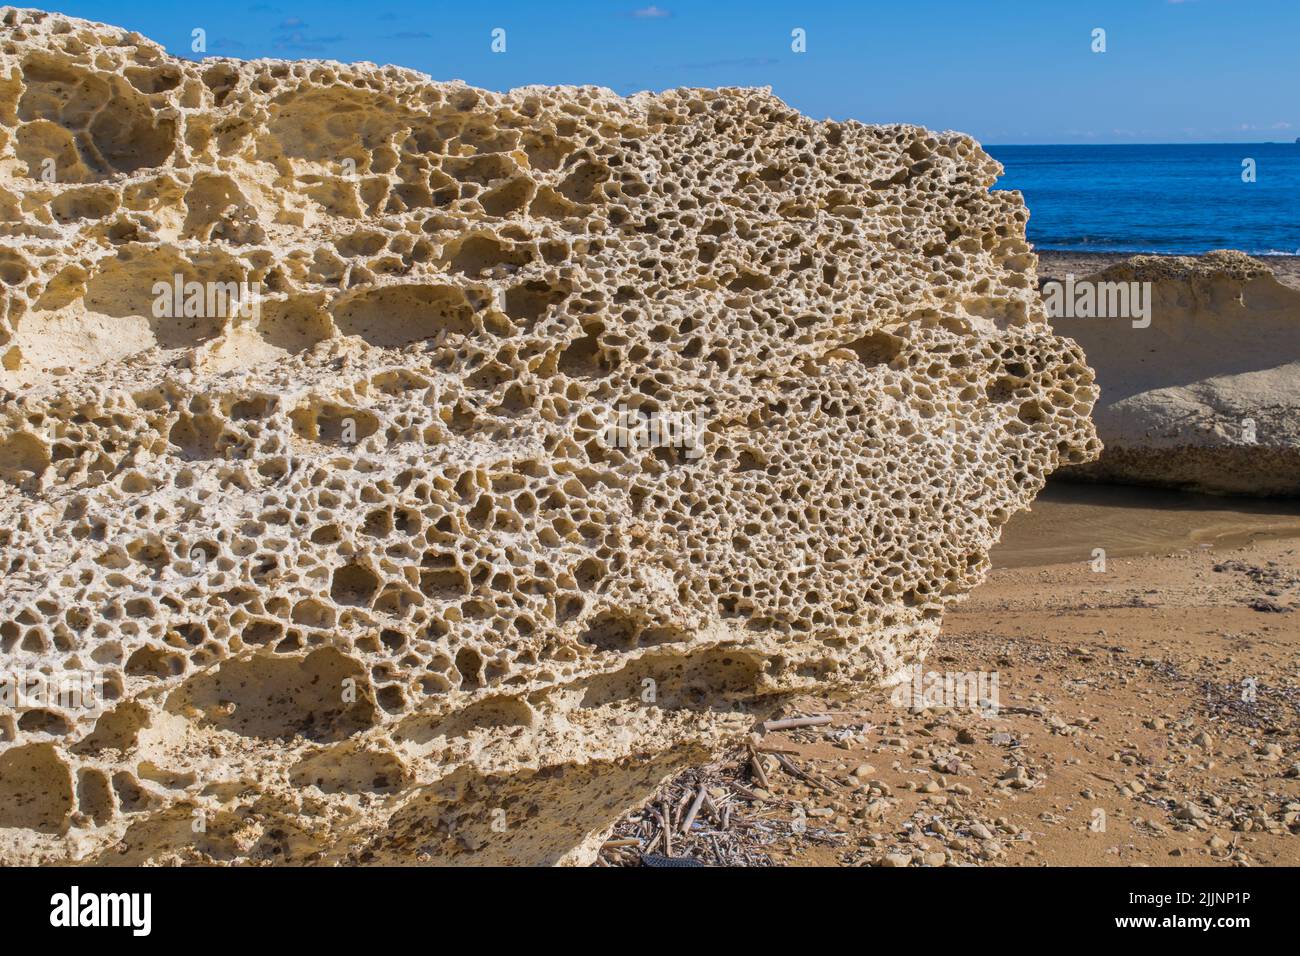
1017 777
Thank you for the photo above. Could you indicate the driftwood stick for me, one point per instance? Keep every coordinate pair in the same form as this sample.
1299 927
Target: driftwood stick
659 832
790 767
745 793
654 842
791 722
668 829
756 766
695 808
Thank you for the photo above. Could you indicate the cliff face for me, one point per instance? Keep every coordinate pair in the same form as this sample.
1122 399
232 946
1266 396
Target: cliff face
424 473
1206 395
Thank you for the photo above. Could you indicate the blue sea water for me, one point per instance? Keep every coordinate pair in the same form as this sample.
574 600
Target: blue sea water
1183 198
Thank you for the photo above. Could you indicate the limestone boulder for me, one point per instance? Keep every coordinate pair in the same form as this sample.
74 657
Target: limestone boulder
1206 397
417 473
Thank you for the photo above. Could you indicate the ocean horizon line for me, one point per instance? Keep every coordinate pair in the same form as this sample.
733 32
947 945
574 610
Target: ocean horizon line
1077 250
1262 142
1157 198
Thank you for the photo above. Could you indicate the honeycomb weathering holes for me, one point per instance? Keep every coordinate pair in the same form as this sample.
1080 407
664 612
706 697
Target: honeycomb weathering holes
568 432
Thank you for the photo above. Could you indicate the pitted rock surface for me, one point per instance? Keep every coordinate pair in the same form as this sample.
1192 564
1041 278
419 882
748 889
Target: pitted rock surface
369 571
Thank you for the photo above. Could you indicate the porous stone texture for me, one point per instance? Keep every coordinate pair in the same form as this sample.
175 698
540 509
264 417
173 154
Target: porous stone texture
368 577
1206 398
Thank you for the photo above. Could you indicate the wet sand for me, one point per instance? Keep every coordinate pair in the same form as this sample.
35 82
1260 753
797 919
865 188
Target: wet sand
1068 521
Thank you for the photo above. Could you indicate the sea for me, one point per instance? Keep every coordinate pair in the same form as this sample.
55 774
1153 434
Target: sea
1178 198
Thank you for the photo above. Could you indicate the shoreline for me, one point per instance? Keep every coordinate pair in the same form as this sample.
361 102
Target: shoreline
1057 263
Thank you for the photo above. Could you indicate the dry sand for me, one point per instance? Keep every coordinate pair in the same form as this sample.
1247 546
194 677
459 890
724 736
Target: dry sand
1126 733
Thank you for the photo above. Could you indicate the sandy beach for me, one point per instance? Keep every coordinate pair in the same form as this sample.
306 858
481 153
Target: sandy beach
1146 712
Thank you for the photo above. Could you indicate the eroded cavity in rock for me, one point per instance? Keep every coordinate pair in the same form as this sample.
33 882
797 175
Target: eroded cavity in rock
370 571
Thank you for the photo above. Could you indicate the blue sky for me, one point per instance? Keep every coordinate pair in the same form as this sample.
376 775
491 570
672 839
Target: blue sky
1006 71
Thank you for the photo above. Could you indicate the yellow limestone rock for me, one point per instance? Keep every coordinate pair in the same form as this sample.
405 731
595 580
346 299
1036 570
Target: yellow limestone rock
515 450
1204 395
